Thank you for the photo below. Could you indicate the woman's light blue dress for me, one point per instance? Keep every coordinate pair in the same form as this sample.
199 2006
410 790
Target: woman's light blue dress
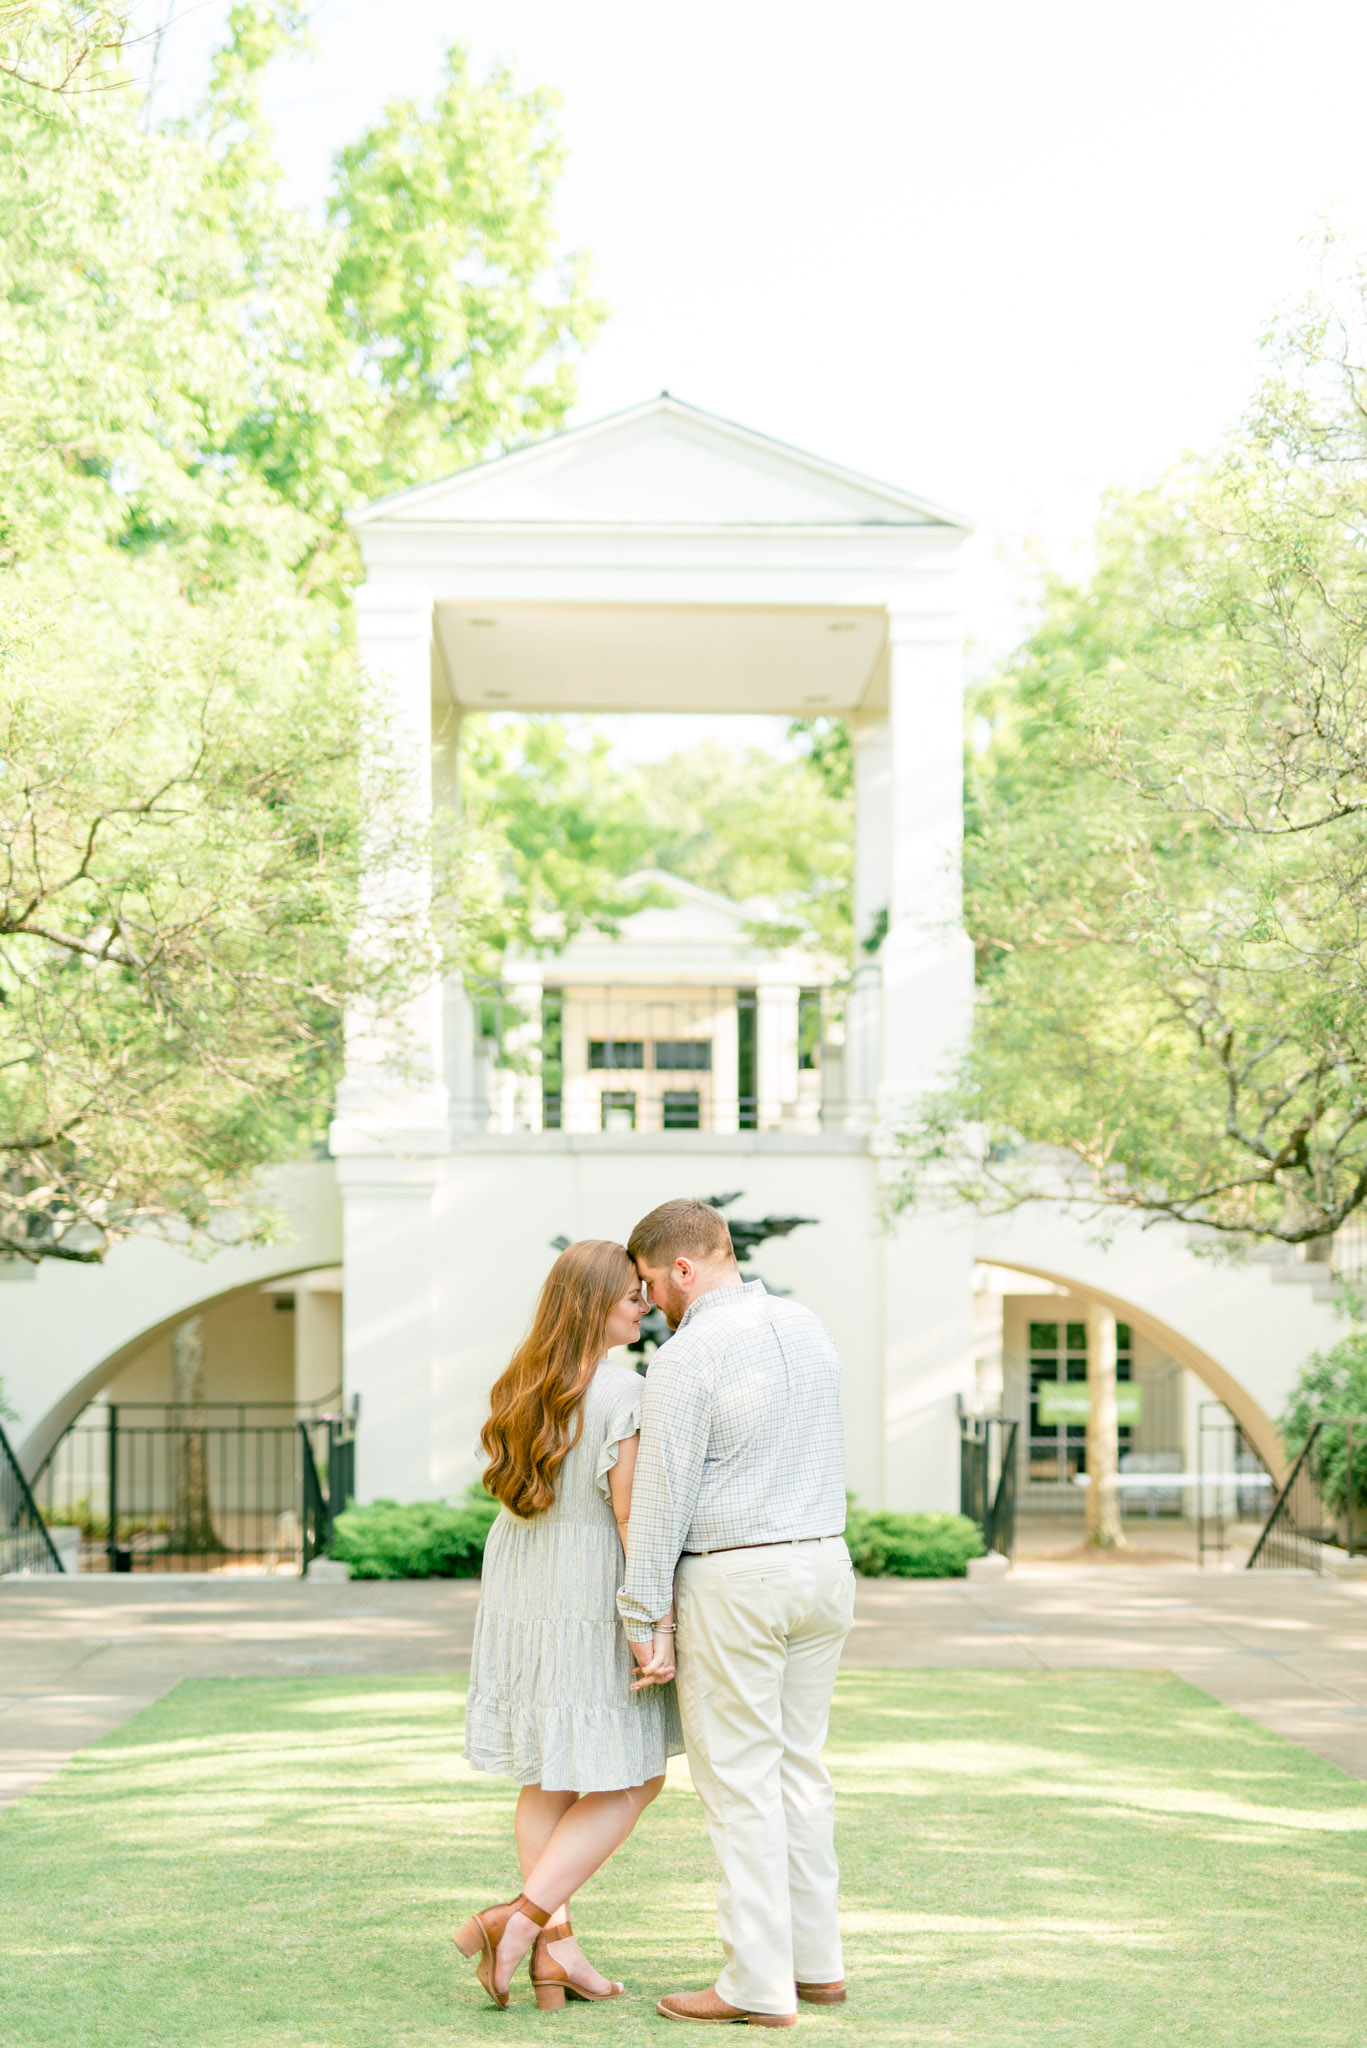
550 1672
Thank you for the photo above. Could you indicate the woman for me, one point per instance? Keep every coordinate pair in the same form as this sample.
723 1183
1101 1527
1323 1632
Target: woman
551 1700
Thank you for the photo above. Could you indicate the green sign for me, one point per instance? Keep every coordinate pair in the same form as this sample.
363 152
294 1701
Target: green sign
1063 1401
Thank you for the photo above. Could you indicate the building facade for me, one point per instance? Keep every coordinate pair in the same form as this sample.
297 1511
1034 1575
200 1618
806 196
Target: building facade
665 560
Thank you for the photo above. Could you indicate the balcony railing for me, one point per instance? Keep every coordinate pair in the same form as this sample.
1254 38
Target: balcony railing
615 1058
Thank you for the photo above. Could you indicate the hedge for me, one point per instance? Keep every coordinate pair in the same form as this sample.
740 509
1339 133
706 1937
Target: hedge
445 1540
430 1539
884 1545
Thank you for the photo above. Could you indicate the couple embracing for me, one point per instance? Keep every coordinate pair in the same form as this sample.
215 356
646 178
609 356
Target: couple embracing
720 1479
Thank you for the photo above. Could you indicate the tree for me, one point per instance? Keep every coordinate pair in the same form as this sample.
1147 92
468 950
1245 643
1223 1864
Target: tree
753 823
1330 1386
59 46
190 398
553 824
550 828
1165 856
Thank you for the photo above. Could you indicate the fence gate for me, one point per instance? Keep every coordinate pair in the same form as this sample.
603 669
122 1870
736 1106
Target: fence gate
25 1545
220 1486
987 1478
1322 1508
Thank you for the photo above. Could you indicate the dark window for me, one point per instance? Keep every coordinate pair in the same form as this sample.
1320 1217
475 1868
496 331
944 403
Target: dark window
808 1028
683 1055
682 1109
615 1054
552 1058
747 1089
619 1110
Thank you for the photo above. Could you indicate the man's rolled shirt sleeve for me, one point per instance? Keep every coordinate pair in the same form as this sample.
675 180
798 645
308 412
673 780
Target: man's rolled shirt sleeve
675 1425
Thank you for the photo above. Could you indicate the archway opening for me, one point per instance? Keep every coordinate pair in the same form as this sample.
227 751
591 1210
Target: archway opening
277 1340
1250 1417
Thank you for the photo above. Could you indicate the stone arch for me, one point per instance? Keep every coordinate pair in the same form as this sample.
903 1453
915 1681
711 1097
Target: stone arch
1252 1418
49 1426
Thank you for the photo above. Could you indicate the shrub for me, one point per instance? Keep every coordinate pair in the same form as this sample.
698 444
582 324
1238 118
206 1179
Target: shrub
884 1545
1332 1382
429 1539
437 1539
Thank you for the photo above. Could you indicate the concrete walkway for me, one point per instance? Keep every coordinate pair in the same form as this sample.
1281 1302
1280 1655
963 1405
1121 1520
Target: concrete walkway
78 1656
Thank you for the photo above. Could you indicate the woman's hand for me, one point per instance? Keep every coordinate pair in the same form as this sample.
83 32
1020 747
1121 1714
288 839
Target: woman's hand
655 1658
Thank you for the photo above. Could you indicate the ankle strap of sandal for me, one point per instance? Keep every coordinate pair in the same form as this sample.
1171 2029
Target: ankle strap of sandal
557 1930
533 1912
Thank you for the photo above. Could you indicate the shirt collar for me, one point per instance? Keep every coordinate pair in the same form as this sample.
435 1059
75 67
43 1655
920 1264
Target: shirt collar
716 1296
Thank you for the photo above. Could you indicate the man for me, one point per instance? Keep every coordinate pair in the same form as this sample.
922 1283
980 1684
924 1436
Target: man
740 1481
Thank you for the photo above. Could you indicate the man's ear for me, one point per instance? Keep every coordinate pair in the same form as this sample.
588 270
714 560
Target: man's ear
686 1271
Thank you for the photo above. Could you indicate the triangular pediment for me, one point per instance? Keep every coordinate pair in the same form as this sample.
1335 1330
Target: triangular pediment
660 464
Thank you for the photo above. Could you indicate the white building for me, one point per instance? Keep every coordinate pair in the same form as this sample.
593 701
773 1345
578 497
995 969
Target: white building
665 560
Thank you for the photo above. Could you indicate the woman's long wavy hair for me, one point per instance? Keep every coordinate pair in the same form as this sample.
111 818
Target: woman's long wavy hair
537 1403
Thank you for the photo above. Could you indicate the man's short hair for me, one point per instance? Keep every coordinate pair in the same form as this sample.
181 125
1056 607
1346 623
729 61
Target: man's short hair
685 1229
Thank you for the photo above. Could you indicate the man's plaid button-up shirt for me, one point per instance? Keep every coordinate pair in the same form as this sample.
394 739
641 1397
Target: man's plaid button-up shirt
741 1440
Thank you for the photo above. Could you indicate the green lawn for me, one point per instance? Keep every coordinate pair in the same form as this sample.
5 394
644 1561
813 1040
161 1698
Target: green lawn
1061 1858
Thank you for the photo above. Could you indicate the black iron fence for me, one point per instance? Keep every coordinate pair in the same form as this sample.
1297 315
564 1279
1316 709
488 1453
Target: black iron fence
326 1488
25 1545
987 1478
1323 1505
220 1486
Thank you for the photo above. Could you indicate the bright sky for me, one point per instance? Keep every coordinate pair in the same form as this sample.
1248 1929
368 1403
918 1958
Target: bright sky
1006 253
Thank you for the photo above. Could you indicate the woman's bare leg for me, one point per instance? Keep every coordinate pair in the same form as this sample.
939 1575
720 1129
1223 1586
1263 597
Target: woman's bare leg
538 1815
586 1835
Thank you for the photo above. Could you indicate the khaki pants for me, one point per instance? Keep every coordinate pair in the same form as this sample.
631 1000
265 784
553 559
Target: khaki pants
759 1639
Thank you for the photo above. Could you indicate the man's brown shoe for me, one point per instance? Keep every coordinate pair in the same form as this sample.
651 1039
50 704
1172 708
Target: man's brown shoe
822 1994
708 2009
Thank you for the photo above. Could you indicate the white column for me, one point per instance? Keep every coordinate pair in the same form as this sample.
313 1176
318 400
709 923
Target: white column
775 1051
463 1071
393 1097
720 1087
524 993
927 987
872 738
390 1339
392 1129
927 959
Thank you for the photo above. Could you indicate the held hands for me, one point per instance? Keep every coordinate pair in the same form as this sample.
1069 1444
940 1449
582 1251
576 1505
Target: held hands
655 1658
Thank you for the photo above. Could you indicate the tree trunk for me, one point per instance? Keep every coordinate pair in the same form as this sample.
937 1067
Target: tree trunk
1103 1439
192 1526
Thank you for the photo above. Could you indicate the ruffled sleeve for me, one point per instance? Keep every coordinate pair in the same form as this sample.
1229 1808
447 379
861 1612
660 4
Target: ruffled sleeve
623 1419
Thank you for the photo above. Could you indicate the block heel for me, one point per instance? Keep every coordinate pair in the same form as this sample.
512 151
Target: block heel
551 1982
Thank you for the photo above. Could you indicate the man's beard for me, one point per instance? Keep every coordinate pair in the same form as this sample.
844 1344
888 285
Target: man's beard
674 1302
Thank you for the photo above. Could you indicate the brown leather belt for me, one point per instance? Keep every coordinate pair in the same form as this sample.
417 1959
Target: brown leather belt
778 1543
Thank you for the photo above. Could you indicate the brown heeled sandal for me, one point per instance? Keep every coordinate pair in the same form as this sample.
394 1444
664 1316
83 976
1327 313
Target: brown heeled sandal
482 1933
551 1981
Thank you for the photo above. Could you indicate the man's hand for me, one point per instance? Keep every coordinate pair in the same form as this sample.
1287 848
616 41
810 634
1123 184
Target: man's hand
655 1658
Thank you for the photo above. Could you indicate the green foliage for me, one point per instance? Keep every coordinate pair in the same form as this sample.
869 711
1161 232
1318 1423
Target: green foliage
1166 852
442 280
552 828
754 824
424 1540
555 825
195 385
826 744
1332 1383
926 1546
445 1540
60 46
